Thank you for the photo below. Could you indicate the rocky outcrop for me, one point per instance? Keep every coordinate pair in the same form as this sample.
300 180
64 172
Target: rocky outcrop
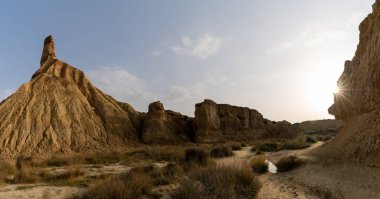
358 102
48 52
213 121
166 127
59 110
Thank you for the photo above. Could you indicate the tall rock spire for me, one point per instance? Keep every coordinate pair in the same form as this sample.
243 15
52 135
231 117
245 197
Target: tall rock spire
48 53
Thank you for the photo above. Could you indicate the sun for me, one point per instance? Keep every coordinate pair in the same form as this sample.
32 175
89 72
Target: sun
335 89
320 88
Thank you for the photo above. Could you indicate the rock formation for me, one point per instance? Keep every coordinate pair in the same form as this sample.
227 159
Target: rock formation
358 102
48 52
59 110
213 121
166 127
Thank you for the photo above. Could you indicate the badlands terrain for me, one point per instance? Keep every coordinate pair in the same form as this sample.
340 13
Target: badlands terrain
61 137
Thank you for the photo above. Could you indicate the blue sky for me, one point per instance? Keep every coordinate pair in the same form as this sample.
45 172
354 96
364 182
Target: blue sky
280 57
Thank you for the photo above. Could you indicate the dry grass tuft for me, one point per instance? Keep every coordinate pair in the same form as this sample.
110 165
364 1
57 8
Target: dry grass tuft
288 163
235 146
219 182
259 165
6 170
220 151
65 177
135 184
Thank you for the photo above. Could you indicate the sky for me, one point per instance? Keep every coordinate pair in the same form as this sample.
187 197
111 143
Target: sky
280 57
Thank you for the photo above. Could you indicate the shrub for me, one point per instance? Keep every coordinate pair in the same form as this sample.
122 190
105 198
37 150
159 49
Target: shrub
25 175
220 151
310 140
295 145
6 169
235 146
64 160
167 175
268 147
196 156
219 182
170 154
134 184
288 163
190 190
104 158
324 138
68 175
259 165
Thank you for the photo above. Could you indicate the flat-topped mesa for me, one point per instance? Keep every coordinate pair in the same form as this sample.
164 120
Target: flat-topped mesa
48 52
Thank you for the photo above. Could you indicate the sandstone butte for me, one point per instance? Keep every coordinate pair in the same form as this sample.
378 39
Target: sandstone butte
358 102
61 111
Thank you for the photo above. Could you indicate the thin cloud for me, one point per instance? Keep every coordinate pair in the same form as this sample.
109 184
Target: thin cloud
122 85
126 87
203 47
311 35
156 53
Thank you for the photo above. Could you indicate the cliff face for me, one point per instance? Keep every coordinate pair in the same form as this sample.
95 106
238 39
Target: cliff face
358 102
166 127
213 121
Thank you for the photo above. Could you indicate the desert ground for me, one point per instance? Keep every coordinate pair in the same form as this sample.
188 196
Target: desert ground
312 179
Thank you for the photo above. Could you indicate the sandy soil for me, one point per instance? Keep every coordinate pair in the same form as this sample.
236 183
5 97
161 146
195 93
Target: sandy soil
311 181
37 191
314 180
25 191
273 184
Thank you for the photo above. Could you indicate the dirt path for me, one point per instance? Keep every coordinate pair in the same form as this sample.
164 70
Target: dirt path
275 186
301 153
240 158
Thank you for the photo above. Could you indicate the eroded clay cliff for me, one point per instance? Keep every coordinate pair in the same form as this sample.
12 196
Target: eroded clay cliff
358 102
59 110
213 121
166 127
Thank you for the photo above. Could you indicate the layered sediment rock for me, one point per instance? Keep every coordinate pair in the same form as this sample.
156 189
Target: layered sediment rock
48 52
59 110
213 121
358 102
166 127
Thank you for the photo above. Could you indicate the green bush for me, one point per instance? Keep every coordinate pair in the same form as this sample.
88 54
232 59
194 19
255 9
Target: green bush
219 182
220 151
